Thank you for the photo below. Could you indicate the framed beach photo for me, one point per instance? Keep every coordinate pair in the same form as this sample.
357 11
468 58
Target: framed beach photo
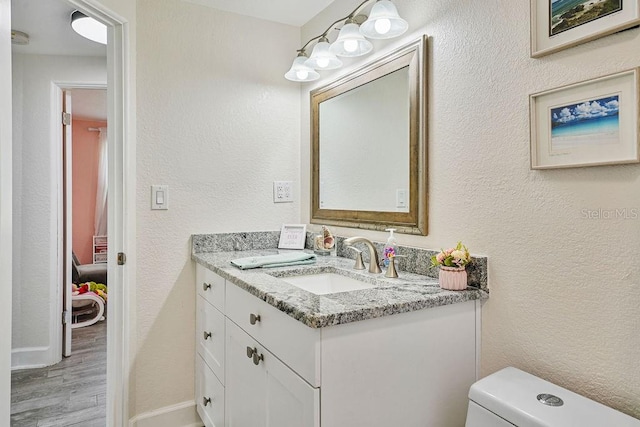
586 124
293 236
559 24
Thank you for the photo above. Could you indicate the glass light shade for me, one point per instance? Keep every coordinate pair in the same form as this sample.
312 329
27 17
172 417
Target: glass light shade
350 42
383 22
321 58
300 72
88 27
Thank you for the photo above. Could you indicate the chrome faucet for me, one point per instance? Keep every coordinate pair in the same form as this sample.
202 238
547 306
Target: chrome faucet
373 254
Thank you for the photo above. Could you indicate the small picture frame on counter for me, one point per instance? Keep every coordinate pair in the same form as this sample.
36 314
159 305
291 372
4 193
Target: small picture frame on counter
292 236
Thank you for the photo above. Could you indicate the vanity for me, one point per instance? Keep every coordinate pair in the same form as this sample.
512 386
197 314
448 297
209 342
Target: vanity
395 352
325 344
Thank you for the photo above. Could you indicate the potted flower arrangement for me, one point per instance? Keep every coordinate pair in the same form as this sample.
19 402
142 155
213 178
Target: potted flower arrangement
452 263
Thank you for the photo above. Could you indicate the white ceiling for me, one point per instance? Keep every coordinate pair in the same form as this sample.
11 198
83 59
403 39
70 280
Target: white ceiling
48 23
291 12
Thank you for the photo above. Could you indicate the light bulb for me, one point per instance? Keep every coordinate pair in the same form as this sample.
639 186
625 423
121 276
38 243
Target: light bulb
323 62
350 45
302 74
382 25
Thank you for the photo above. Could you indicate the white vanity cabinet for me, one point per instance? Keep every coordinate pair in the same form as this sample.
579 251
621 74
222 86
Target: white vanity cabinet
411 369
239 381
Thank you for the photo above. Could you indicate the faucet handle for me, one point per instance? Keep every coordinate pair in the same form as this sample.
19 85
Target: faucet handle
391 270
359 265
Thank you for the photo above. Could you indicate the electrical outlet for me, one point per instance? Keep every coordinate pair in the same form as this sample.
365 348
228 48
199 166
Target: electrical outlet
282 191
401 198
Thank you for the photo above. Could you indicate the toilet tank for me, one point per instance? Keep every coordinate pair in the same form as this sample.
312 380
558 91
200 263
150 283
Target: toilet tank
513 397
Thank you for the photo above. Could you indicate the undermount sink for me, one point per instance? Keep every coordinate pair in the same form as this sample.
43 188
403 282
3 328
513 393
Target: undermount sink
326 283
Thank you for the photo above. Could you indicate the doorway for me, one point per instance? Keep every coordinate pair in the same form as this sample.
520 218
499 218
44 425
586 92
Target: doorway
121 205
83 196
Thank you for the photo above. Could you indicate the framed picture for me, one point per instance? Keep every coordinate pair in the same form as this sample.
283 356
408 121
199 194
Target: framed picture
293 236
559 24
586 124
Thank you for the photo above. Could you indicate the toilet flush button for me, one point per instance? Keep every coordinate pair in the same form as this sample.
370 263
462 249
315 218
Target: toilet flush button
550 400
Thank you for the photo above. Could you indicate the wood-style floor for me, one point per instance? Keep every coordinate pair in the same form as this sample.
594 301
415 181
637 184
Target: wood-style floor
71 393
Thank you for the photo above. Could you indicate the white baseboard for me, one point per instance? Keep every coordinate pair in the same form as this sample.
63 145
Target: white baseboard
180 415
31 357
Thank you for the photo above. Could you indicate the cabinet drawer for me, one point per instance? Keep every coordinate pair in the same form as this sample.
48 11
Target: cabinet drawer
210 286
209 395
210 336
296 344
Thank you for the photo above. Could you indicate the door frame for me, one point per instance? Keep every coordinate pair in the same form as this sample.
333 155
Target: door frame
121 210
121 118
6 209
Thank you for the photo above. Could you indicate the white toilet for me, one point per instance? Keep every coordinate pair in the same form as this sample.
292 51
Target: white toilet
511 397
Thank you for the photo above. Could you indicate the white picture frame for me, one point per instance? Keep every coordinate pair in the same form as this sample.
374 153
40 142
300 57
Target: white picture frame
293 236
589 123
550 32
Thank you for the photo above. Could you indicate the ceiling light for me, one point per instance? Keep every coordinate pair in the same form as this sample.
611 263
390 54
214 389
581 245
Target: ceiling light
384 22
300 72
321 58
88 27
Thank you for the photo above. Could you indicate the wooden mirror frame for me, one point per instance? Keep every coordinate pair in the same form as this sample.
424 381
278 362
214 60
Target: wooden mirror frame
413 56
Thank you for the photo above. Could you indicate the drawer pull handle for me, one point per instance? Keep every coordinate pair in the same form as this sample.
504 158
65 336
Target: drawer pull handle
207 335
206 286
206 401
257 358
253 353
253 318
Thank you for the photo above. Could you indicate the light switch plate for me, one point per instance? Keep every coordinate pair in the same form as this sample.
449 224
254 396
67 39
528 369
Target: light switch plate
159 197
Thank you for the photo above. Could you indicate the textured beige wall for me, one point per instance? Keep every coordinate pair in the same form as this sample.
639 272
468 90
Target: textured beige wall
565 298
218 123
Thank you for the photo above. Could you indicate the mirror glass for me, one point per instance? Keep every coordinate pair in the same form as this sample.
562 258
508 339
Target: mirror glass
368 146
382 182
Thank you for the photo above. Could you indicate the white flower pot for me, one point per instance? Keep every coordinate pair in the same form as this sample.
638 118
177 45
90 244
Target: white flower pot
453 278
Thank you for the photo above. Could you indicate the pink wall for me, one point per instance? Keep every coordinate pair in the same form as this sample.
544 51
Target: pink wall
85 180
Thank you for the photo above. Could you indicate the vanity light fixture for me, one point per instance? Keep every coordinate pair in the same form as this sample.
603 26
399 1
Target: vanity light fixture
88 27
383 23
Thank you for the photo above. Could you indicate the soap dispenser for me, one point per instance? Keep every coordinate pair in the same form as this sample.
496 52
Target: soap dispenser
390 248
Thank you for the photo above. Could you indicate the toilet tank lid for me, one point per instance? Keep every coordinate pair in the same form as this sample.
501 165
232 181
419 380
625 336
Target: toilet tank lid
512 395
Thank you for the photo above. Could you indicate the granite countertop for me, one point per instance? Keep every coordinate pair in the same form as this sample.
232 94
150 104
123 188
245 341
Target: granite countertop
407 293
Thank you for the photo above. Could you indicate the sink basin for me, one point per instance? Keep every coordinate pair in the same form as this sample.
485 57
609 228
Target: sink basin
326 283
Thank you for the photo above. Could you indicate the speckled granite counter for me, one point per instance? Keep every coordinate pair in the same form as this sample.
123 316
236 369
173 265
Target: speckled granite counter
407 293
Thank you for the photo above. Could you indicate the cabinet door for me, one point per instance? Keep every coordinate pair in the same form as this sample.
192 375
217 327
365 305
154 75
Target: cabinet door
245 382
291 402
268 394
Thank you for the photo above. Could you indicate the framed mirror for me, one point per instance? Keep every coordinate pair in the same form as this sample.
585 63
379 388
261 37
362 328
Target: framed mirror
369 145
